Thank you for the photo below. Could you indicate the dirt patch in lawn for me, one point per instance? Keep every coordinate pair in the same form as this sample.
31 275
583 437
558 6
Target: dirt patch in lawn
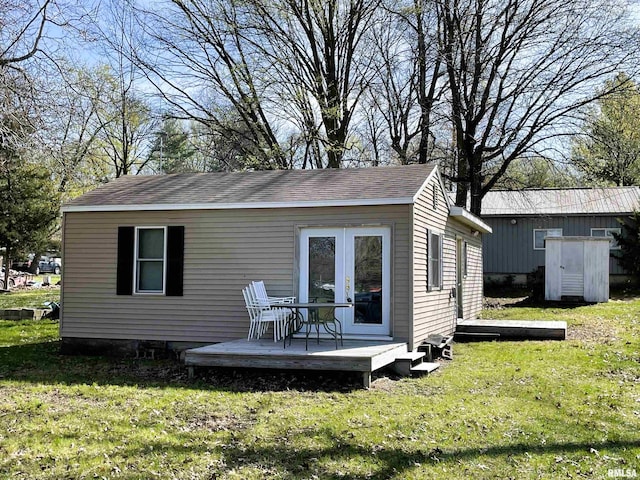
212 422
596 330
498 303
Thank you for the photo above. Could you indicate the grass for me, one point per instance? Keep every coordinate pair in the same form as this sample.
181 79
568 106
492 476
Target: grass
499 410
34 297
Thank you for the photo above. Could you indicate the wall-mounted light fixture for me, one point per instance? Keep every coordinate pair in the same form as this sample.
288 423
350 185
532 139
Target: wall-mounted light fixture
513 221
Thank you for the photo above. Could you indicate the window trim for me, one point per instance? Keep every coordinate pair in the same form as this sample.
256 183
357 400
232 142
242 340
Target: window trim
606 234
430 286
465 259
544 230
136 260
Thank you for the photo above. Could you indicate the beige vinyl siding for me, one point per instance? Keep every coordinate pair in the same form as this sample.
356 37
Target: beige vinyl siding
472 286
224 251
431 309
434 312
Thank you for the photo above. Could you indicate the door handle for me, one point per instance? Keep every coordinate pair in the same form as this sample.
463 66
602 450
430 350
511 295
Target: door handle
347 288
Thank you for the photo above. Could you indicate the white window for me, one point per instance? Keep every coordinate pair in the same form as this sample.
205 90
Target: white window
434 258
150 255
539 234
607 232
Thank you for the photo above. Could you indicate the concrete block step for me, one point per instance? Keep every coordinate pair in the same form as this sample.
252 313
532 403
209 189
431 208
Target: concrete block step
425 367
23 313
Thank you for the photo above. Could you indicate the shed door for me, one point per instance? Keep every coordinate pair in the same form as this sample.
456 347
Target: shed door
572 267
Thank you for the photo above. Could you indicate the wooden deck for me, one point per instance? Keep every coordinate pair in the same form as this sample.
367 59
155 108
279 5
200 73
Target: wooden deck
512 329
355 355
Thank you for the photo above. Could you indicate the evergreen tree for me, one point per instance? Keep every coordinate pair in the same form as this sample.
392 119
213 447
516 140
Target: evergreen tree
171 151
29 205
629 241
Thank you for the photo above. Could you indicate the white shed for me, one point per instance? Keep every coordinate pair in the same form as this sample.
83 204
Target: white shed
577 267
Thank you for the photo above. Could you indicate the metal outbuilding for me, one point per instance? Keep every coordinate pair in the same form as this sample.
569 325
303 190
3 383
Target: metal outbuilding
521 219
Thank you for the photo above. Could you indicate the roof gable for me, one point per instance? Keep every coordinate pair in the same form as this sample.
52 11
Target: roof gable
562 201
262 189
435 176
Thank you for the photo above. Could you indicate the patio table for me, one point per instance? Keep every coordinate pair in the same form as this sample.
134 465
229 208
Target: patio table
329 321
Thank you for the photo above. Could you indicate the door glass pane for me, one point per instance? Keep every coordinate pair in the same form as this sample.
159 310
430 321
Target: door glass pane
367 282
322 269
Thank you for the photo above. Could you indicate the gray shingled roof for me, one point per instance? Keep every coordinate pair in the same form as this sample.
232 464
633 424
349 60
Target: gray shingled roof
562 201
263 187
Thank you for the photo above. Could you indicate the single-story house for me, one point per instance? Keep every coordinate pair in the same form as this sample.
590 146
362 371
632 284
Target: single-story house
522 219
165 257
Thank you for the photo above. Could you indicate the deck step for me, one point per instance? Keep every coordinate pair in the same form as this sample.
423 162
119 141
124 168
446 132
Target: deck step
410 356
475 337
425 367
406 362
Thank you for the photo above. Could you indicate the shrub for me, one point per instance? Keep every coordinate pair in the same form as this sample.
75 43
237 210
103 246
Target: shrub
629 241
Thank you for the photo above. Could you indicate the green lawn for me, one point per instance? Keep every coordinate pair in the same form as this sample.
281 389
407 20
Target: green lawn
34 297
499 410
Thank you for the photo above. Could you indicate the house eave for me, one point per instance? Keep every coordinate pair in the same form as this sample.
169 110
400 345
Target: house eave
235 206
464 216
554 214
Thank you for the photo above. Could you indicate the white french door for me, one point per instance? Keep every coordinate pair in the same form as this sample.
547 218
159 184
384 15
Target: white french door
349 265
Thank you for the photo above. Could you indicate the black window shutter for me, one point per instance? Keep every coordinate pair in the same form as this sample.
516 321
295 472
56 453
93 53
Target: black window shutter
124 282
429 247
175 261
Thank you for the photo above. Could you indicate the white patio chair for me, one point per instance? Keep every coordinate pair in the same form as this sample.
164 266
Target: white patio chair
256 328
261 293
261 314
272 304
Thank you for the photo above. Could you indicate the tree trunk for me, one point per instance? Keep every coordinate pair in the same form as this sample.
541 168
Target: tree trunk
462 190
7 265
476 186
336 139
422 85
462 177
35 263
334 158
